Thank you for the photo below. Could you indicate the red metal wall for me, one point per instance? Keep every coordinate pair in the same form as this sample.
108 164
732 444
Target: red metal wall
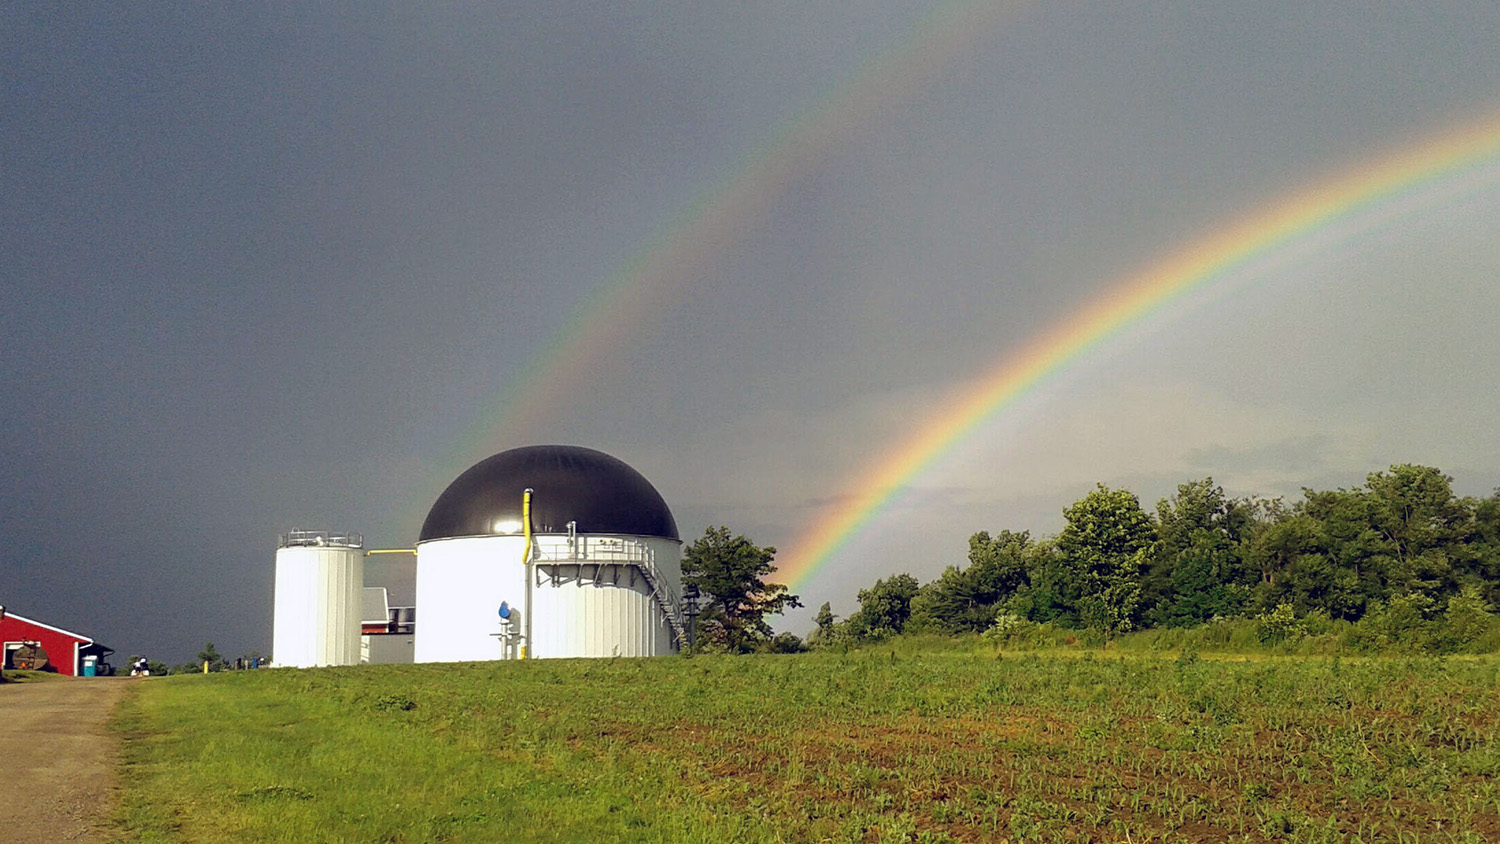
60 646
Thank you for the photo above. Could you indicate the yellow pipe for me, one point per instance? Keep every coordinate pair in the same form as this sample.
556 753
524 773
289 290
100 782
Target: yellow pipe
390 551
526 566
526 524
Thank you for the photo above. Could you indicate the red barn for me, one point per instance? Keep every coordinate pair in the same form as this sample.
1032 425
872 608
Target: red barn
65 652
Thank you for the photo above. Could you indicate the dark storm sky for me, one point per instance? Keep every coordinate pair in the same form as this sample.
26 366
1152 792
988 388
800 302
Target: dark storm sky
270 266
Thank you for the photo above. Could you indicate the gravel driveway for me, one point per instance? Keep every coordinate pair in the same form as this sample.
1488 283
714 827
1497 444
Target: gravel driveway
57 759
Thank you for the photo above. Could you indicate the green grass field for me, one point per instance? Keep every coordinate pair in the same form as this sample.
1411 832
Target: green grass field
12 675
879 745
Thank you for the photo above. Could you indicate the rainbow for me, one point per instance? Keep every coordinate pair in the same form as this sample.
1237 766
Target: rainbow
687 247
1371 187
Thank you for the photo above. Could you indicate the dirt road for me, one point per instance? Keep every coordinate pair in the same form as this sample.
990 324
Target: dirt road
57 759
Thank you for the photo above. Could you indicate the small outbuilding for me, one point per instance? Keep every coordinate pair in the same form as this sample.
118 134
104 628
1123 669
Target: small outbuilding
31 644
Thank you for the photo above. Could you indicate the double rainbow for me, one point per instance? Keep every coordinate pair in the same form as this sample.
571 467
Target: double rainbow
690 243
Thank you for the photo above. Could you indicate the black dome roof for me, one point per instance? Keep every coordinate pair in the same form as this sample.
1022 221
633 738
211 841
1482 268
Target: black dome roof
569 484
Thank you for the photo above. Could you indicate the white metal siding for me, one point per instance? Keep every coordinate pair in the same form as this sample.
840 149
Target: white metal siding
317 606
460 584
590 608
386 648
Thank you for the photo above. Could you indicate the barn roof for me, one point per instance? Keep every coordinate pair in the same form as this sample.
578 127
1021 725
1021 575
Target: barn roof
79 636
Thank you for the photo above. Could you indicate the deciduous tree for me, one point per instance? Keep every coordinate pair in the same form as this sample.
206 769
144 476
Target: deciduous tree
729 573
1197 571
885 607
1105 546
966 600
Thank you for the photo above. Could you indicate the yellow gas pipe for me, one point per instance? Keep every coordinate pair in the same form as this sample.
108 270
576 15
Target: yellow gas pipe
526 567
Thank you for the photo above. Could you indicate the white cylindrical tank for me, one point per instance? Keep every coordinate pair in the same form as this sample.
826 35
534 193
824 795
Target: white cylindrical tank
319 585
591 596
605 596
605 562
460 586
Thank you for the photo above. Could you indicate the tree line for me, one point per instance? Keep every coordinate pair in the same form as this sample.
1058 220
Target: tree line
1402 559
210 655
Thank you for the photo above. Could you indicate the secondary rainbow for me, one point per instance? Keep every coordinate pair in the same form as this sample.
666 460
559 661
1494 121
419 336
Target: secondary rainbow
1283 223
627 302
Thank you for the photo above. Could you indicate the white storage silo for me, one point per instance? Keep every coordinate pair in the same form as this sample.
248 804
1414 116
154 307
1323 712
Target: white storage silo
319 590
605 564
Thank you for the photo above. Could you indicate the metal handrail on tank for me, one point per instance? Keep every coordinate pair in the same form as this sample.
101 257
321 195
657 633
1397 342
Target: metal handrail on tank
671 607
320 539
626 552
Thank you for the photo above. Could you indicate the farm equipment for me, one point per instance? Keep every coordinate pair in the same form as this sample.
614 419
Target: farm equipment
29 657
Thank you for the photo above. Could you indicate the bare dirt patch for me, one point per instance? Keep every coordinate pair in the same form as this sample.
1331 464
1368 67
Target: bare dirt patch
60 759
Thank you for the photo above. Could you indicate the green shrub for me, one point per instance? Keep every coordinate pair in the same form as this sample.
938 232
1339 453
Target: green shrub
1279 625
1014 632
785 643
1468 621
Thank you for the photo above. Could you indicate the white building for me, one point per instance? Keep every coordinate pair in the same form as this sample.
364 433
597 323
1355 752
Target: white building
597 574
604 568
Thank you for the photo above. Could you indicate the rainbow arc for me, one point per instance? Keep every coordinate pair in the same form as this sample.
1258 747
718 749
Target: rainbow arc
1403 181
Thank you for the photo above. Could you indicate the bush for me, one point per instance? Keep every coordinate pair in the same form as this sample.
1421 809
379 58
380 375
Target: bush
1468 623
1410 623
785 643
1318 623
1233 635
1013 631
1279 625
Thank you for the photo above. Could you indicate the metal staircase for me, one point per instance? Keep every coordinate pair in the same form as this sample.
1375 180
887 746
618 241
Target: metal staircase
666 599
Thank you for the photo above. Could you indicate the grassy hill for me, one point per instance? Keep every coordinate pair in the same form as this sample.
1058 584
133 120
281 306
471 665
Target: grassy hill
874 745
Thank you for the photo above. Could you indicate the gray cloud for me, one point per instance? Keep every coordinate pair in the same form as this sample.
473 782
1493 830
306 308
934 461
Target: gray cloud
274 266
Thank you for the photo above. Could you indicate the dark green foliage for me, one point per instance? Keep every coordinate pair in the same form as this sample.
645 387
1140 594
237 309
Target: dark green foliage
1467 619
826 618
275 792
1197 572
1105 548
785 643
1414 623
728 572
1050 595
393 703
965 600
1344 551
884 608
1402 559
211 656
1423 527
1484 542
828 627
